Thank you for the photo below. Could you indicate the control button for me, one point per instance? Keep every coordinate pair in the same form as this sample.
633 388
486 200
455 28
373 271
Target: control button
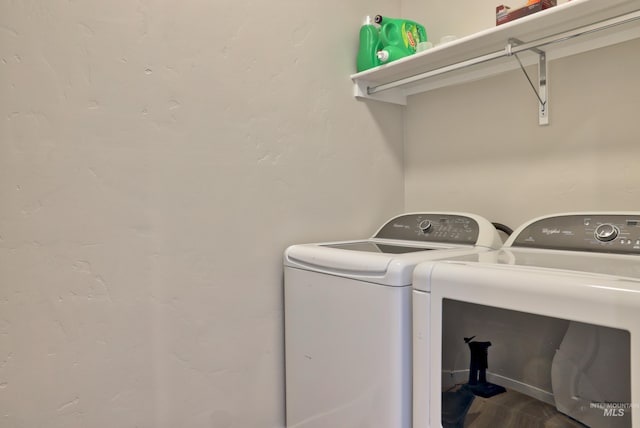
425 225
606 232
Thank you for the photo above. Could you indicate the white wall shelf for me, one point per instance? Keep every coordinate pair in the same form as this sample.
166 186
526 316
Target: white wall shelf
570 28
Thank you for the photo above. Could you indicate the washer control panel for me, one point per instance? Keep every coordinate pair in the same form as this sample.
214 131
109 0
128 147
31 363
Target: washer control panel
611 233
445 228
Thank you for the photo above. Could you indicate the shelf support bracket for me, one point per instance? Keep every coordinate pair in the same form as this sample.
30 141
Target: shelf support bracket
542 93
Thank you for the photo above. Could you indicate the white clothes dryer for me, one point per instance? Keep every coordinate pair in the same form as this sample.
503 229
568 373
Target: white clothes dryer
348 318
558 311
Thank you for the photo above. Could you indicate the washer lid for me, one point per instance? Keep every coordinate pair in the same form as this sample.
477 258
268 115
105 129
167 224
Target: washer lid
622 265
335 260
375 247
511 261
389 257
389 268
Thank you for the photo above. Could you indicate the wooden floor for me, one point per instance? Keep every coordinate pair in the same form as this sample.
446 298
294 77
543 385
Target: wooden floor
515 410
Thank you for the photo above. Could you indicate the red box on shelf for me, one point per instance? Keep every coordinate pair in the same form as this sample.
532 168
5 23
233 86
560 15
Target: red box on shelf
505 14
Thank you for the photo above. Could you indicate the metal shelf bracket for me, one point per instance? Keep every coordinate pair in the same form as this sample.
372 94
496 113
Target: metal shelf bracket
542 93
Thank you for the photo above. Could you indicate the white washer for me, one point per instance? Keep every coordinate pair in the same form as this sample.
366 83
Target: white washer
560 304
348 319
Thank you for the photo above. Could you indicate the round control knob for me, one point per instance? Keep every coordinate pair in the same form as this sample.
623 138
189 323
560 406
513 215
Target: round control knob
424 226
606 232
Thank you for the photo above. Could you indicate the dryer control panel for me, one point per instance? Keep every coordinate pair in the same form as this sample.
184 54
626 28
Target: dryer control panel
610 233
445 228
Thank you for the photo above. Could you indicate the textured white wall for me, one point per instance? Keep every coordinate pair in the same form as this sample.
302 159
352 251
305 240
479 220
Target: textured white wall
156 158
478 146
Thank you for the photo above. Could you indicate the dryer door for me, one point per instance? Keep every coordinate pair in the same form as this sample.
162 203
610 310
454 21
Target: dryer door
522 340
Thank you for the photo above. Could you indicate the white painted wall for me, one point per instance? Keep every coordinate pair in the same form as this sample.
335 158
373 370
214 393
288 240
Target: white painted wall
156 157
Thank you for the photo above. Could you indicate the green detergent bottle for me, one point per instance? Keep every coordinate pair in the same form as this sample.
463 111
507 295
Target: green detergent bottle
387 40
401 33
370 44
